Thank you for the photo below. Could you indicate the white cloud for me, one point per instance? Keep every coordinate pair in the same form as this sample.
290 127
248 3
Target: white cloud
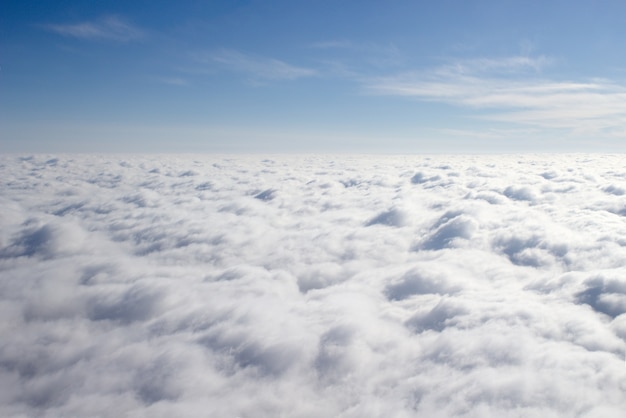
260 67
504 91
312 285
512 64
111 28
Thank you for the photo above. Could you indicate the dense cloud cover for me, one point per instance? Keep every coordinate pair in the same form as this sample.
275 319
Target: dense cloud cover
313 286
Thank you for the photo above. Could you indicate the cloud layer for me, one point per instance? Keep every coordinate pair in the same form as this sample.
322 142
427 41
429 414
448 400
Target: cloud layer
312 286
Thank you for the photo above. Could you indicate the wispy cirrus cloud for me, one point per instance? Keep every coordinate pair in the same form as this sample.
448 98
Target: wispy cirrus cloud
108 28
360 57
259 68
513 64
334 44
511 90
172 81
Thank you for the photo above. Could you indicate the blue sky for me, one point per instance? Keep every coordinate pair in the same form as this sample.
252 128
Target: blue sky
312 76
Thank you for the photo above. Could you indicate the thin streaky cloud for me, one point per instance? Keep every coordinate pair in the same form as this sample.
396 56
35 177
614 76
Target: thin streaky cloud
113 28
492 133
507 64
357 46
336 44
173 81
487 84
260 67
355 61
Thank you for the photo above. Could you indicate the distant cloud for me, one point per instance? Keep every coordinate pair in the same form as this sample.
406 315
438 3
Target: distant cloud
261 68
111 28
504 89
512 64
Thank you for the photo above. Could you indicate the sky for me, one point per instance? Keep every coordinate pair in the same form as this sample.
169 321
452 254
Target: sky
312 76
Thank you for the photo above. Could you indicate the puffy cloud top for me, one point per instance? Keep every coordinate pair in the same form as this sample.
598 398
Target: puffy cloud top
312 286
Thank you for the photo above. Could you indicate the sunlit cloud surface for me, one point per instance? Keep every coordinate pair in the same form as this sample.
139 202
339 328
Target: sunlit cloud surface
309 286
